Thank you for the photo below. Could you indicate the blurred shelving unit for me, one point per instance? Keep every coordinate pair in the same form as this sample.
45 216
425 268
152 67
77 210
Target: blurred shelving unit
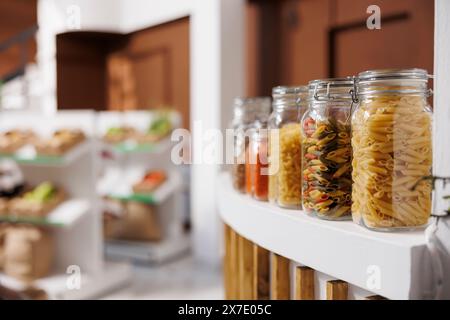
125 163
75 223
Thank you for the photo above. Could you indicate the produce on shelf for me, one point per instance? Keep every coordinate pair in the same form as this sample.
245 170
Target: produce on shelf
11 184
119 134
327 155
160 127
392 150
60 142
13 140
28 252
131 220
151 180
38 202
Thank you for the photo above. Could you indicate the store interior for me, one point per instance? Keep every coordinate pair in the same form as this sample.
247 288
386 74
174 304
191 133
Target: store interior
108 185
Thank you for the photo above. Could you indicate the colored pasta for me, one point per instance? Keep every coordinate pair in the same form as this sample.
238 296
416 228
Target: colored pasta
327 167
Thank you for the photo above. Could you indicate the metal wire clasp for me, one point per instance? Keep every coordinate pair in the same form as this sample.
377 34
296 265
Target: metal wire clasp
327 96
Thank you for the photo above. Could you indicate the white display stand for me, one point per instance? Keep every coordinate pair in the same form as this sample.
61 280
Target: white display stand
76 223
339 249
126 165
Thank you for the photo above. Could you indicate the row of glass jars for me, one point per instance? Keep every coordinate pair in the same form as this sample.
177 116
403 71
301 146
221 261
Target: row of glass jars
340 148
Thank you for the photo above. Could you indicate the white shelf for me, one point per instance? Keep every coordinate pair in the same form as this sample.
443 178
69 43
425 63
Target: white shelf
134 148
124 191
149 252
113 276
340 249
28 156
64 215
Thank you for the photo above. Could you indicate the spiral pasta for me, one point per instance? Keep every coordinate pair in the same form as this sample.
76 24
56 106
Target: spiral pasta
391 140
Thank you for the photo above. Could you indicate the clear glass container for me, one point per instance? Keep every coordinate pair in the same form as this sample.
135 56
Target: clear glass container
258 160
392 150
285 173
326 149
248 112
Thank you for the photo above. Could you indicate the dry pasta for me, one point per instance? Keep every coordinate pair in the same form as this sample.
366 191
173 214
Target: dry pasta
327 168
391 140
285 166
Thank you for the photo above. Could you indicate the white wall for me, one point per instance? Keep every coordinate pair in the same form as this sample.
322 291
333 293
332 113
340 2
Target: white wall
441 119
217 75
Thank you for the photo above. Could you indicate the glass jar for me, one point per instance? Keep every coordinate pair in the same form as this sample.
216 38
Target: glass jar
326 149
392 150
247 112
258 162
285 173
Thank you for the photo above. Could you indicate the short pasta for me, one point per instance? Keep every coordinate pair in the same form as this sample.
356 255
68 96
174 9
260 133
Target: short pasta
391 140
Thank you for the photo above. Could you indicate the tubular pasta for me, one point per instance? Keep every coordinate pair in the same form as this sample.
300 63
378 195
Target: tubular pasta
391 141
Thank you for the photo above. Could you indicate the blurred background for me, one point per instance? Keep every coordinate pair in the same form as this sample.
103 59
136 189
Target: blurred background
63 60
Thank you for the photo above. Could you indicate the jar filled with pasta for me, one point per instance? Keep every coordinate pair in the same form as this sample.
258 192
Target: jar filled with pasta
285 172
248 112
326 149
258 161
392 150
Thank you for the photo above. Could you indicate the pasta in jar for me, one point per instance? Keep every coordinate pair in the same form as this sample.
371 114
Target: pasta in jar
290 170
285 173
326 150
392 150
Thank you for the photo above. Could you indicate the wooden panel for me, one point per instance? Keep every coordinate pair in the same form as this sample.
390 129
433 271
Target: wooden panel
304 40
234 265
153 73
261 273
376 297
226 261
304 283
160 62
355 48
253 57
280 281
326 38
245 269
337 290
82 69
16 16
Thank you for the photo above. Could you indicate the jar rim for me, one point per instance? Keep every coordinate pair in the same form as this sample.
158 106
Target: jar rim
393 74
238 101
289 89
